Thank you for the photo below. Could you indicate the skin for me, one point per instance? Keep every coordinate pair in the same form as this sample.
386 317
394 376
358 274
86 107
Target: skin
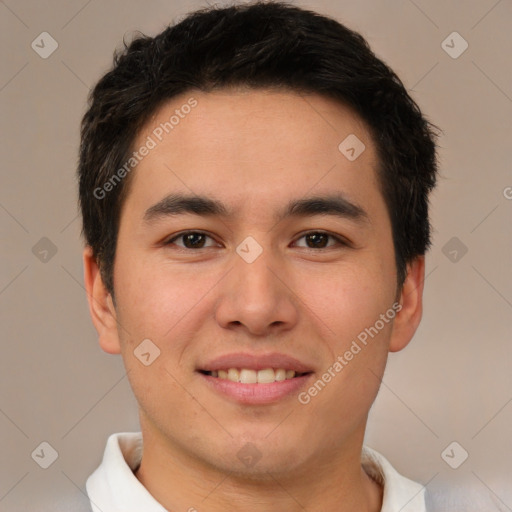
254 150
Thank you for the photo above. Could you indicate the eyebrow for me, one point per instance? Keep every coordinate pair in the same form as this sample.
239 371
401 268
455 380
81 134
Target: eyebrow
333 204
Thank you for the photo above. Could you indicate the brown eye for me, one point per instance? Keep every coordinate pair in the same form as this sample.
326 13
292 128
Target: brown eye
319 240
191 240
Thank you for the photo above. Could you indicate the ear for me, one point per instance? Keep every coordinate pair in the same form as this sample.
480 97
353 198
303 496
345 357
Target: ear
411 299
101 307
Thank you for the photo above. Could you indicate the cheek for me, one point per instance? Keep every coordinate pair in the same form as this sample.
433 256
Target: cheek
166 304
151 300
347 308
350 305
153 305
347 299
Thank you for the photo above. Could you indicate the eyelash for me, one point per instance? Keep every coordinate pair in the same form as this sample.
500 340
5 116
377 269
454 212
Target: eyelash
338 239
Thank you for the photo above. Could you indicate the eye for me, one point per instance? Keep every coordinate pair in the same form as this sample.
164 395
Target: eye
319 239
196 240
191 239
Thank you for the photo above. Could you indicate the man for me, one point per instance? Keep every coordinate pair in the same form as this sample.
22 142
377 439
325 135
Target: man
254 189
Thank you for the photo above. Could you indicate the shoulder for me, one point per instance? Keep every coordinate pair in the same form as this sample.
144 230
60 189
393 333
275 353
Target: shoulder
467 497
401 493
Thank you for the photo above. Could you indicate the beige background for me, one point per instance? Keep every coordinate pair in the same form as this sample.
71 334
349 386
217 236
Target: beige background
453 382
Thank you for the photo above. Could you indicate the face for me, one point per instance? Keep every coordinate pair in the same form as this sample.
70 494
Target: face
235 278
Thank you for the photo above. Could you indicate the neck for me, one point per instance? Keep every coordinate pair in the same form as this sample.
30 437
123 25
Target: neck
180 481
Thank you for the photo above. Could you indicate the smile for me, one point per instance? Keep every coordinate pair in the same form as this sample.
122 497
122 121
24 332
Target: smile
249 376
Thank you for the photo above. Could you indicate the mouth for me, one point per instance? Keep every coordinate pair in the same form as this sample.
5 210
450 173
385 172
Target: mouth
250 376
254 392
255 379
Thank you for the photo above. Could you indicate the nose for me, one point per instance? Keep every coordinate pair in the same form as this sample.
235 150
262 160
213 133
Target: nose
258 297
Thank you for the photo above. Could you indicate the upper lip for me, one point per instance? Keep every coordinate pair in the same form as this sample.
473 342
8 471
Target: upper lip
255 362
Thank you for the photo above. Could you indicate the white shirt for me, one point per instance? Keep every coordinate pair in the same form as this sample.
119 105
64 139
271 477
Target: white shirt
113 487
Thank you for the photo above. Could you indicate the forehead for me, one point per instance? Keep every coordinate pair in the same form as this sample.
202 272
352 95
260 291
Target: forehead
254 113
256 144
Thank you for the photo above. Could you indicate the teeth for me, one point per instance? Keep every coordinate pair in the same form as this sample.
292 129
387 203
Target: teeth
233 374
247 376
266 376
280 374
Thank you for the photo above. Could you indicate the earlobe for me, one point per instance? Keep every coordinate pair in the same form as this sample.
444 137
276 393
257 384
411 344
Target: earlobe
101 307
408 318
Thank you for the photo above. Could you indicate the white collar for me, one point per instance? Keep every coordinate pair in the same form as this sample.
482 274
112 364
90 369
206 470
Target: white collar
400 493
113 487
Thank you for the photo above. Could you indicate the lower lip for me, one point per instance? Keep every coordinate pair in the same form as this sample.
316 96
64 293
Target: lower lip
257 393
